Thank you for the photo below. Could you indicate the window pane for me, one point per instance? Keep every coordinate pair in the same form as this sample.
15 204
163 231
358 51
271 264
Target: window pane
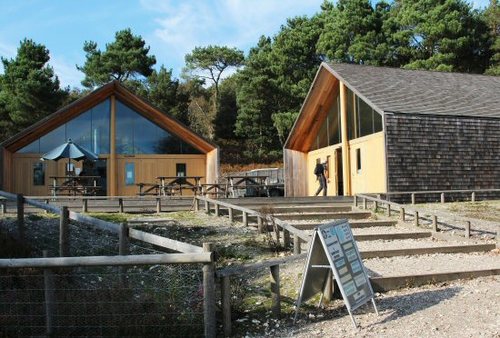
38 174
100 128
33 147
124 129
365 113
351 116
78 130
135 134
53 139
323 135
333 123
377 122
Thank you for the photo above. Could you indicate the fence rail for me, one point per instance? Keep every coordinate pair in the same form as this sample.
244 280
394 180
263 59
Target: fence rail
191 255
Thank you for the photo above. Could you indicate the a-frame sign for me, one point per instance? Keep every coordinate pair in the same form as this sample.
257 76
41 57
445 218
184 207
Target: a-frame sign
333 248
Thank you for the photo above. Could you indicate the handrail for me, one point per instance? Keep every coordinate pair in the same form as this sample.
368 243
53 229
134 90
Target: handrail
53 262
421 192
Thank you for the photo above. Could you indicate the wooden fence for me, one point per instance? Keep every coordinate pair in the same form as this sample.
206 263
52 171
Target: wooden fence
443 194
435 218
188 253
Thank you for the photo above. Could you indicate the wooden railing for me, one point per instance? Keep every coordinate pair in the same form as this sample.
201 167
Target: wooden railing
417 214
442 193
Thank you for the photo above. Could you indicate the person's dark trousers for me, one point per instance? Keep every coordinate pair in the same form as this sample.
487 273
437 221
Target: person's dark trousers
322 185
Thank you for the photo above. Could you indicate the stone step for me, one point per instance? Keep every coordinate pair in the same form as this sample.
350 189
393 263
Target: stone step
285 209
427 250
354 224
393 236
324 215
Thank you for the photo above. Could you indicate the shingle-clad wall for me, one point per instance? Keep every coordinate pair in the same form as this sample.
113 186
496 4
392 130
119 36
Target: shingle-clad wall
429 152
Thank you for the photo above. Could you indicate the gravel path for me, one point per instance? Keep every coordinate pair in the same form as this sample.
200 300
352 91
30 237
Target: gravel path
465 308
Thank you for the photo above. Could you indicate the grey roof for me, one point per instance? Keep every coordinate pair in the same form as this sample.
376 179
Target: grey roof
422 92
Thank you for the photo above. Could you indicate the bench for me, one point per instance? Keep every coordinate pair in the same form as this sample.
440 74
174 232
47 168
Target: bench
149 190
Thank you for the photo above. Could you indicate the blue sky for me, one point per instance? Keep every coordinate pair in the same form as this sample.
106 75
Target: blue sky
172 28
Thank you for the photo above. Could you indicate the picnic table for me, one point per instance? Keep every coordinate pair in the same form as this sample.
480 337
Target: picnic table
214 189
247 182
74 185
170 185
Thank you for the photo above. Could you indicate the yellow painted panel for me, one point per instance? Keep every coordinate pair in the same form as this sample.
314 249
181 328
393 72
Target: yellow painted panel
327 154
371 178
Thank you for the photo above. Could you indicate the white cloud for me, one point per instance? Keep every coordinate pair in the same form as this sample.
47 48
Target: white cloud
7 51
183 25
66 72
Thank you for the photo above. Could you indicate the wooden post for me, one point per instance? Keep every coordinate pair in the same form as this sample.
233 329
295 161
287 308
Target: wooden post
49 291
277 233
85 205
196 203
435 227
46 202
231 214
286 238
158 205
442 197
416 221
207 207
402 214
3 207
412 198
217 209
209 295
260 224
226 305
64 232
473 196
120 205
296 245
364 204
275 291
355 197
328 291
388 210
467 229
245 218
375 206
123 250
20 216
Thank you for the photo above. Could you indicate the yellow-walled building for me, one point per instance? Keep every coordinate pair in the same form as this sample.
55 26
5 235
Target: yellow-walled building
379 129
135 143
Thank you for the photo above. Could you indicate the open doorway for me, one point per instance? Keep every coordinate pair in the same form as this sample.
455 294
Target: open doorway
339 179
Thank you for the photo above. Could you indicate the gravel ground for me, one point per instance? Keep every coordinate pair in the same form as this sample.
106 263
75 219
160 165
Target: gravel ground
465 308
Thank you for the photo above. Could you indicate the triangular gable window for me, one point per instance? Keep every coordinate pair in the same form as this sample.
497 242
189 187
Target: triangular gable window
89 129
136 134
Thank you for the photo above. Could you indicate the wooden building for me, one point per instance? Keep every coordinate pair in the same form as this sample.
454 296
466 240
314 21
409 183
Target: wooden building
135 143
390 130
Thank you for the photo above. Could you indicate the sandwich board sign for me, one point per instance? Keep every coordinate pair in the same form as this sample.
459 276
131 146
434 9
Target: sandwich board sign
333 248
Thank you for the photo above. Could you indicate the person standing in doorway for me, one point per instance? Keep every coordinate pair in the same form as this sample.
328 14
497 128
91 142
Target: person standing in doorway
319 171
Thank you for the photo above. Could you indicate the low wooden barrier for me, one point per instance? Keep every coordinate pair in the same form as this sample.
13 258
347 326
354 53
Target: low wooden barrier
441 193
418 215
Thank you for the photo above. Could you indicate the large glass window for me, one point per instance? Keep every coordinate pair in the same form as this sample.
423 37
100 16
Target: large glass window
362 120
89 129
137 135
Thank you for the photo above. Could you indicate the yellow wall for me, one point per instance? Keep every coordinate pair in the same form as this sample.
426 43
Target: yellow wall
372 176
322 154
148 167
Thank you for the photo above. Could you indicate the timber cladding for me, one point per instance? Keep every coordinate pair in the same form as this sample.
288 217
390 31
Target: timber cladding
429 152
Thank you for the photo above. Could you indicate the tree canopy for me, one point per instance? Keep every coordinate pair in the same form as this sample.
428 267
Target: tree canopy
29 89
124 59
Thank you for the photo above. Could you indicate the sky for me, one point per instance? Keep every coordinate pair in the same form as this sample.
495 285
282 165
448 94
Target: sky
172 28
